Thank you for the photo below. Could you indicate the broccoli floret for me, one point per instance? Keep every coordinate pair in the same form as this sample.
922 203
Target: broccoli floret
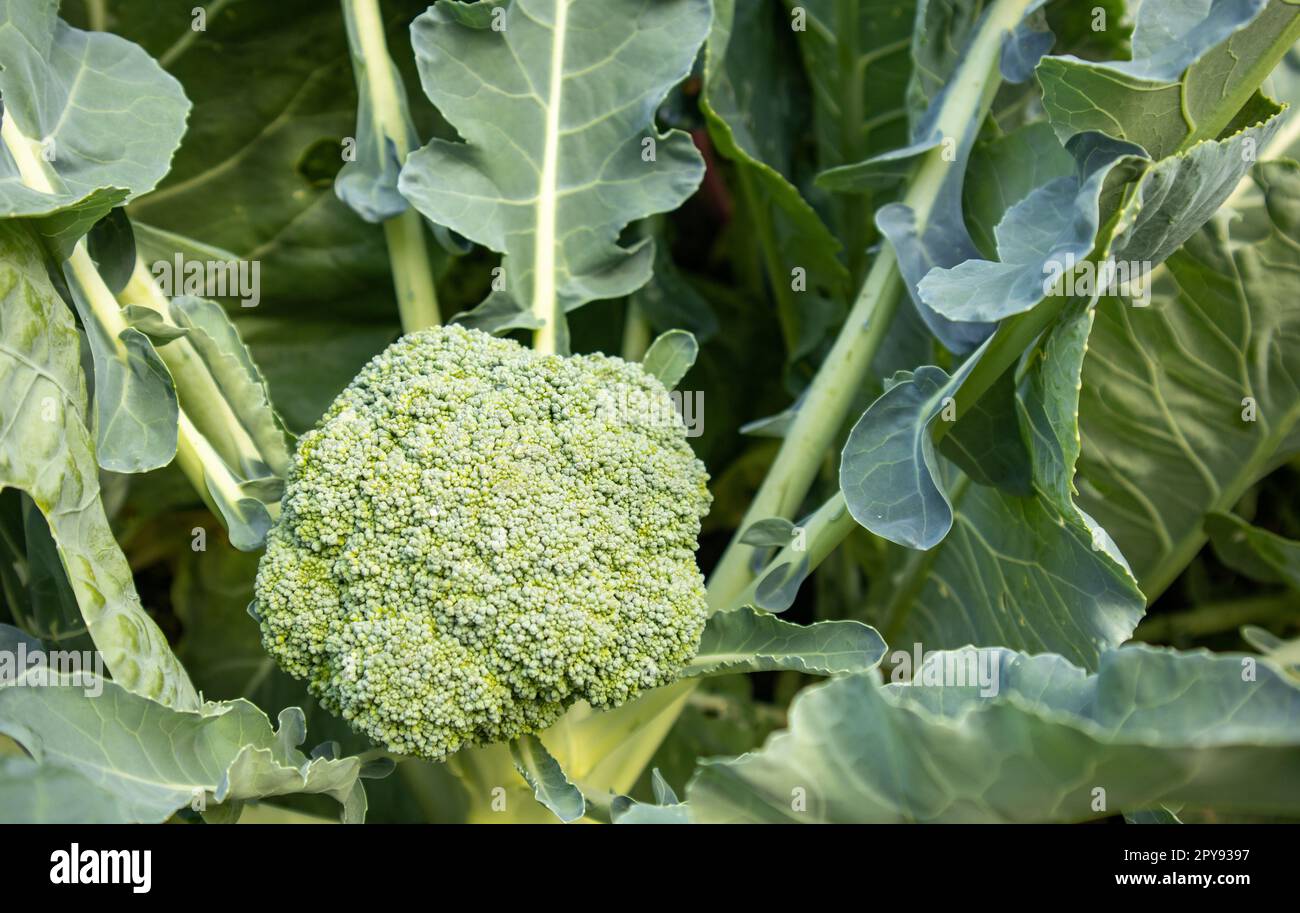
476 536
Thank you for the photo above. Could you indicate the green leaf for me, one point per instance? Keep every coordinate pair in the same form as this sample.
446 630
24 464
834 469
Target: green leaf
1038 238
859 63
1171 439
1252 551
670 356
1188 60
111 244
1150 728
1002 172
55 616
664 794
90 121
557 110
1160 815
542 772
242 387
643 813
748 640
157 760
136 410
669 300
47 452
981 442
774 532
32 793
889 470
1031 573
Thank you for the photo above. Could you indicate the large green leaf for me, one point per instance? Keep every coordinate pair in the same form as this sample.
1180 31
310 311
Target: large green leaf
1031 573
1188 60
859 62
1171 438
89 121
1117 203
156 760
1152 727
557 111
47 451
91 113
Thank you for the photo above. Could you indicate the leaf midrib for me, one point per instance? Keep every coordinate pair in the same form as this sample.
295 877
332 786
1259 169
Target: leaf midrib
544 305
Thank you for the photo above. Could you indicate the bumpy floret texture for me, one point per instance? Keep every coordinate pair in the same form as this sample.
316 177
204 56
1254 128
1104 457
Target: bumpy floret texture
476 536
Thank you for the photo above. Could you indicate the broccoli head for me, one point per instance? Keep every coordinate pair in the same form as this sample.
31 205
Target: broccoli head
476 536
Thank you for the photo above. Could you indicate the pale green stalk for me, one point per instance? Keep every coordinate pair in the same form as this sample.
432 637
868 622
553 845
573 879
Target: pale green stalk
408 254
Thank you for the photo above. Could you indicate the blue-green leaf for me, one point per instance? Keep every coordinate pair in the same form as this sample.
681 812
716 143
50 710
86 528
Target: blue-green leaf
1187 58
670 356
136 409
1150 728
157 760
48 452
542 772
93 115
560 152
748 640
1255 552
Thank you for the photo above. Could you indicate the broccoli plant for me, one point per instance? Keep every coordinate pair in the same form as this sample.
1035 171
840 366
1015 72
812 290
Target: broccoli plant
684 411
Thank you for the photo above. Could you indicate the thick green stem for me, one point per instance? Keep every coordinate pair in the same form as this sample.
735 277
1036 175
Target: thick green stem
636 333
408 254
408 257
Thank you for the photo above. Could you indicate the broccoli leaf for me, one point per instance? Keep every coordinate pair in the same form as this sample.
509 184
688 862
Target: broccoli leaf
752 107
32 793
48 452
157 760
1167 442
556 104
1194 66
1150 728
542 772
1034 572
670 356
748 640
93 113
